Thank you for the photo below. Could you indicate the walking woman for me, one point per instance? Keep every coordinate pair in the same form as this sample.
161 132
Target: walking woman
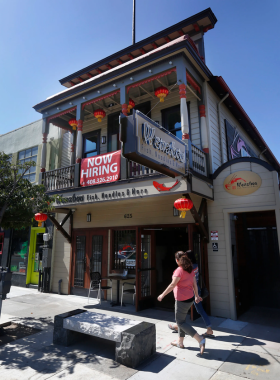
198 306
184 287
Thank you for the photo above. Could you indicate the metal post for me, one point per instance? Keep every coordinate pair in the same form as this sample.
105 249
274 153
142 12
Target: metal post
133 23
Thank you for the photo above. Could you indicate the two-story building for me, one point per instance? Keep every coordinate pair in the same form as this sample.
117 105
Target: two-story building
20 248
170 128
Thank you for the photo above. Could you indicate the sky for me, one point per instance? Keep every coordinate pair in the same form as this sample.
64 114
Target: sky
42 41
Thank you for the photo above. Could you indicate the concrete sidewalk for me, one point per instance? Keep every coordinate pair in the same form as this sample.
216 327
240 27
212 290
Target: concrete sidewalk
240 350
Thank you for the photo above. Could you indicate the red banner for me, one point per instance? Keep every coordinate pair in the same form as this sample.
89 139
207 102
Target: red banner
100 169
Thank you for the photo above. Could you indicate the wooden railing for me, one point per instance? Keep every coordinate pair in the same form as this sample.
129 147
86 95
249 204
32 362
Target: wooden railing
196 159
57 179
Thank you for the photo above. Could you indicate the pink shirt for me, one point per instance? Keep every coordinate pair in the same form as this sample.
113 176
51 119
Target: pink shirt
184 288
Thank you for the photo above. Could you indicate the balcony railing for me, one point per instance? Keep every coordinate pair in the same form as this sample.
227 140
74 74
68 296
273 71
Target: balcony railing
197 159
63 178
69 177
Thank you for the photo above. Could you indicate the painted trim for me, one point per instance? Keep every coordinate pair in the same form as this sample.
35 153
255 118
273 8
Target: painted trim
61 113
240 160
100 98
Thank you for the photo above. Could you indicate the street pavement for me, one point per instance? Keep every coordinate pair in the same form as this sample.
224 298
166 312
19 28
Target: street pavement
241 350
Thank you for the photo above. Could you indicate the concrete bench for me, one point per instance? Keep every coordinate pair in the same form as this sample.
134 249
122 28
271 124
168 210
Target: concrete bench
135 340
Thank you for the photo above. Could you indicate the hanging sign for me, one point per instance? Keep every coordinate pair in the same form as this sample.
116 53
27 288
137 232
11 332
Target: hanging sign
100 169
242 183
147 143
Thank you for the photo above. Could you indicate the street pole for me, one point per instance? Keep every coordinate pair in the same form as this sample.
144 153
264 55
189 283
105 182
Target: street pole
133 23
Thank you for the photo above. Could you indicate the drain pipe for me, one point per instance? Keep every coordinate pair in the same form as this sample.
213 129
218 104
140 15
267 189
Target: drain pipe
221 127
59 287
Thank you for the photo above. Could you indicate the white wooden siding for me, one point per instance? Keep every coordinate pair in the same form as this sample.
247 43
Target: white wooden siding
265 196
212 115
66 149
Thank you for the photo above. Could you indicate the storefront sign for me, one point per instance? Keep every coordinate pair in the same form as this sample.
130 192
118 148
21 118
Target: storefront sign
100 169
149 144
242 183
214 235
117 192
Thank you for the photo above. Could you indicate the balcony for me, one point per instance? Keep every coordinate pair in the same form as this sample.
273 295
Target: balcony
69 177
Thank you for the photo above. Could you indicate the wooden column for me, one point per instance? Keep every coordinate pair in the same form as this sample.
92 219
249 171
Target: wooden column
79 144
204 137
45 132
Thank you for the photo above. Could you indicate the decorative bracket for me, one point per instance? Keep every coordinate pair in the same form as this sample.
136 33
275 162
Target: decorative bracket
202 226
59 226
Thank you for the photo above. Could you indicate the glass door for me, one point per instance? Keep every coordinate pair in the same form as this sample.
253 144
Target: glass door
90 250
34 257
145 271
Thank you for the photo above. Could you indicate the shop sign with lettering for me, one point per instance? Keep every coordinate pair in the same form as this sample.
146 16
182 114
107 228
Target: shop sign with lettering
242 183
149 144
117 192
100 169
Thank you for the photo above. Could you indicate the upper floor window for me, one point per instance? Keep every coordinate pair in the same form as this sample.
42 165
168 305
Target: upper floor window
91 146
28 155
171 120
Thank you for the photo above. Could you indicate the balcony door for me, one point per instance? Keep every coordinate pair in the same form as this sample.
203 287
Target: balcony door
90 249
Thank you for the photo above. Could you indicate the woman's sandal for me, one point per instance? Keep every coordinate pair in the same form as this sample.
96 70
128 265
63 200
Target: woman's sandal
171 326
176 344
202 346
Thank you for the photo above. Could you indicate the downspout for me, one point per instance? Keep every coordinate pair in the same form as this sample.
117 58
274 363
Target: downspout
221 127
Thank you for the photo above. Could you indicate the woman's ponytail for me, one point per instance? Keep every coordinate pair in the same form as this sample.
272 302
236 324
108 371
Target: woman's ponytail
184 261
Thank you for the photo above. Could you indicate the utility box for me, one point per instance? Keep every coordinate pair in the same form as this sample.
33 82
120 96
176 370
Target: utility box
5 283
46 257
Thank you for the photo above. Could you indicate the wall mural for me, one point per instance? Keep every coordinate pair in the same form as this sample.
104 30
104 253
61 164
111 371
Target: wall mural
236 146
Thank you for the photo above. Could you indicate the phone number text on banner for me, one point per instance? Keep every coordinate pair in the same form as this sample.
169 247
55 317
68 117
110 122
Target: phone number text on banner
100 169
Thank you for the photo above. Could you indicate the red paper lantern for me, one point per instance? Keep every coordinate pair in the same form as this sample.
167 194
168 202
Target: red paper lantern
40 217
183 205
99 114
73 123
161 93
130 105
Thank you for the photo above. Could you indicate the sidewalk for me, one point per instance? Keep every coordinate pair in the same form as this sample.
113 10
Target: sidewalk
241 350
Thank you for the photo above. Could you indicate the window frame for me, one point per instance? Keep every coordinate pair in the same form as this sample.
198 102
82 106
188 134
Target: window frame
166 111
90 134
27 158
112 249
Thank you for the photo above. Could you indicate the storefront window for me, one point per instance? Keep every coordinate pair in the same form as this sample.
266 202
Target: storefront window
27 156
124 249
19 251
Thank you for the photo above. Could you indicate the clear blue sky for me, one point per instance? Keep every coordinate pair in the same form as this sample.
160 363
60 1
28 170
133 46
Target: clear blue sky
42 41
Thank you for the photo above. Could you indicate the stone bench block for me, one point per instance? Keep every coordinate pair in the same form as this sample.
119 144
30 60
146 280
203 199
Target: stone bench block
99 325
62 336
138 344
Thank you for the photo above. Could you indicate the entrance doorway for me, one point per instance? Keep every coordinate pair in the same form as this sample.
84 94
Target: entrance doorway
35 255
256 261
90 249
168 241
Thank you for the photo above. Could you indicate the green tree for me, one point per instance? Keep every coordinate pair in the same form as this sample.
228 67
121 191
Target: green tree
19 199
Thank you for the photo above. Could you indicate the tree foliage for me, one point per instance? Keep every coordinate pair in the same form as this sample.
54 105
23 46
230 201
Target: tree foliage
19 199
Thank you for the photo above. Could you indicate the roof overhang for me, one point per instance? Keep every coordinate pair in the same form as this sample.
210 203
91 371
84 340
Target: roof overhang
180 45
198 23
